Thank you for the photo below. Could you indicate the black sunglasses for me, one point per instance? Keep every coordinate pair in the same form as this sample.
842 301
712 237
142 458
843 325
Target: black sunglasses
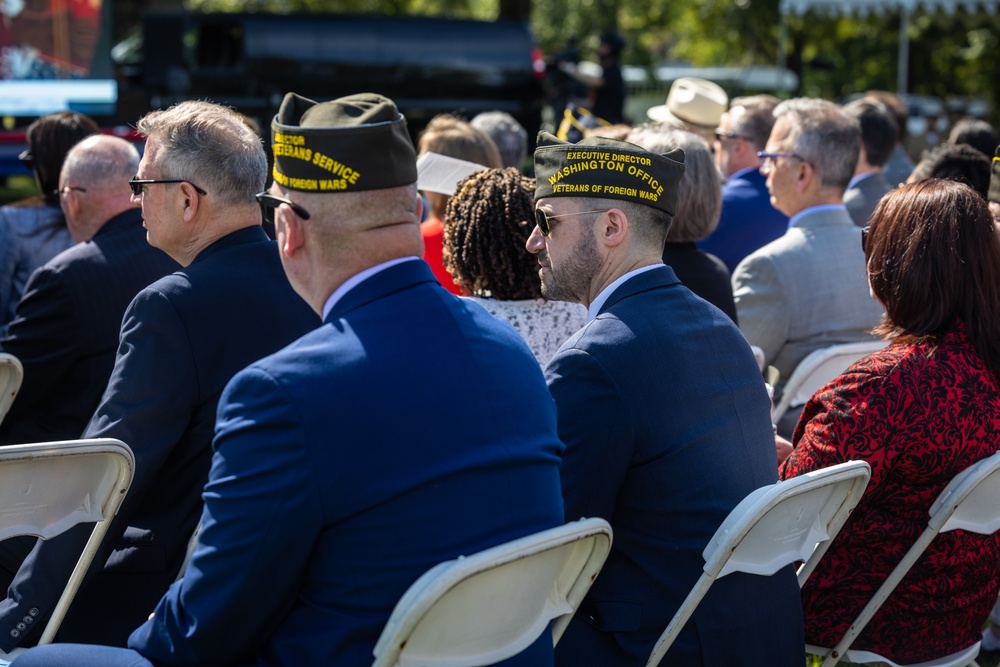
269 202
139 185
864 239
542 218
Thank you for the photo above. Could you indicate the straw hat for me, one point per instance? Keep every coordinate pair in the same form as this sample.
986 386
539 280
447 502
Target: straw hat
692 101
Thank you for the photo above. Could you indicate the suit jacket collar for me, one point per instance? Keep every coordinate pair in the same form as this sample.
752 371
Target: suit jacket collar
124 220
832 214
393 279
661 276
253 234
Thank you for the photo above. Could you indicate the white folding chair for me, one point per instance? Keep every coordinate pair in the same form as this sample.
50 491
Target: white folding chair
11 374
817 369
787 522
47 488
971 501
484 608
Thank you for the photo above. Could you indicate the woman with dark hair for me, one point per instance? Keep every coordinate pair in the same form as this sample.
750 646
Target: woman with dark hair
33 231
919 412
486 225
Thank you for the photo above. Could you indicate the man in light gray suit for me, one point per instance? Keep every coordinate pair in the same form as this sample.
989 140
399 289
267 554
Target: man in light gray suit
809 288
878 139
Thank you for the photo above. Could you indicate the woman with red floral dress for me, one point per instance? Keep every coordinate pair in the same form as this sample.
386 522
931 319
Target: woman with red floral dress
919 412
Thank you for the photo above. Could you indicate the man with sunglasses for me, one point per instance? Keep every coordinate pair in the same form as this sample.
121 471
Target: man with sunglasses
809 288
748 220
182 339
663 413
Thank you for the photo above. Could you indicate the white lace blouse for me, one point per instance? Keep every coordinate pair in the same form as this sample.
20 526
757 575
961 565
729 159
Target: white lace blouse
545 325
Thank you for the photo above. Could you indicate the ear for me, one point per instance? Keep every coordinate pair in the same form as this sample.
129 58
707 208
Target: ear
806 176
71 204
294 236
191 201
420 208
615 228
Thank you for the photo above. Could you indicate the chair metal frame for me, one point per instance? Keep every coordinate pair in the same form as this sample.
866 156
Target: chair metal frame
818 368
11 375
458 605
774 526
967 503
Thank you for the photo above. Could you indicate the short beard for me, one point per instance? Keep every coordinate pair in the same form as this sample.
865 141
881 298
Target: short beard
576 274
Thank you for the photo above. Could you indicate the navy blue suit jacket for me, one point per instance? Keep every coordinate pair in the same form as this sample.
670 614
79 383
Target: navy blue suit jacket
182 339
410 428
667 427
748 221
65 330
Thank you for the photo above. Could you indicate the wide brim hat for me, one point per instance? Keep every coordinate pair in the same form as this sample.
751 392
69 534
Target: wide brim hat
692 101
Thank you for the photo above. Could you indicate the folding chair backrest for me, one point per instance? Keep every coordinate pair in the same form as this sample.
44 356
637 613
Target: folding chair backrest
817 369
47 488
971 501
787 522
483 608
11 374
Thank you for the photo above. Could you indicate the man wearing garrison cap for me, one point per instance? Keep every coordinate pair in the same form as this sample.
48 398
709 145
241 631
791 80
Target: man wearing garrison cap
339 476
664 415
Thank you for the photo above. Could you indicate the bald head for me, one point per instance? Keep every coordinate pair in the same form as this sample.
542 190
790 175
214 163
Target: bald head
94 183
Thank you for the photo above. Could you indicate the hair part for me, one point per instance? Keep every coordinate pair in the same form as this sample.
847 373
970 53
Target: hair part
933 257
823 134
211 146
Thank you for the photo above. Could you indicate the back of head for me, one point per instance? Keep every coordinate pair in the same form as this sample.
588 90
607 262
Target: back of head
960 163
487 223
452 136
211 146
49 140
756 121
825 136
976 133
100 166
699 193
896 106
933 258
510 137
878 129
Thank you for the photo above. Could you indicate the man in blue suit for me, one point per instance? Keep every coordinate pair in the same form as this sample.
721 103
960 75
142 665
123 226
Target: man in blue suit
663 413
182 339
748 220
339 477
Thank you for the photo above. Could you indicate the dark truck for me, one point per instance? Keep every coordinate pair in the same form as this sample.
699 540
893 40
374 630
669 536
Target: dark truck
426 65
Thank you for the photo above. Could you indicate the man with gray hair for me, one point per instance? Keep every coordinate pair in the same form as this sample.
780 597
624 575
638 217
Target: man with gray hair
509 136
182 339
748 220
809 288
65 330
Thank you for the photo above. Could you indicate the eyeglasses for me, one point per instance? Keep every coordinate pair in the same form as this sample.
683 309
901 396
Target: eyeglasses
269 202
864 239
542 218
139 185
721 134
67 188
768 160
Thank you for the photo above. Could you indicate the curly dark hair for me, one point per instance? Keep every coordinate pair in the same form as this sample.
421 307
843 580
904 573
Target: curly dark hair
486 225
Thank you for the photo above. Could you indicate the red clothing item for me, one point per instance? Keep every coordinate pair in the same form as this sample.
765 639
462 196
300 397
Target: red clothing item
918 414
432 230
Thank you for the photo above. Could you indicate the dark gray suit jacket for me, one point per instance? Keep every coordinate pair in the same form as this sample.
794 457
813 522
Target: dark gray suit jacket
862 199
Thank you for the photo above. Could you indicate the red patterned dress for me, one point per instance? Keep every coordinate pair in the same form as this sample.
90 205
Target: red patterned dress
918 414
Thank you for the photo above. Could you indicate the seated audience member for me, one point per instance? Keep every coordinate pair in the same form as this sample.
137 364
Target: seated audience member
485 228
899 165
807 289
451 136
919 412
331 489
699 200
960 163
748 220
510 137
975 132
878 139
693 104
65 329
664 415
33 231
182 339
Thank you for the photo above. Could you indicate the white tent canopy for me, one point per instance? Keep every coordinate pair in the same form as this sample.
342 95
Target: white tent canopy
905 8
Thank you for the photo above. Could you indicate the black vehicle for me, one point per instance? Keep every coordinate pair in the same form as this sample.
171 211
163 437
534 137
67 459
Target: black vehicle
426 65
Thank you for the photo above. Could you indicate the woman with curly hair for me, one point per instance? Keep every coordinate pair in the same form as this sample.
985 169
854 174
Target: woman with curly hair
486 225
919 412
